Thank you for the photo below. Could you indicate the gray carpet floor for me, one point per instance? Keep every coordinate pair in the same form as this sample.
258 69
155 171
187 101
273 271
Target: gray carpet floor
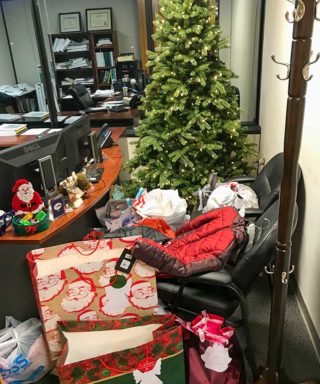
299 359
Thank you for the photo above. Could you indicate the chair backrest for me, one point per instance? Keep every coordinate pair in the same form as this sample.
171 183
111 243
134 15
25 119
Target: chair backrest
251 263
81 96
268 182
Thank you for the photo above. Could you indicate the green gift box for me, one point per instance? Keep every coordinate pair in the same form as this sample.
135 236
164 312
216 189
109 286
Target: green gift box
41 225
147 350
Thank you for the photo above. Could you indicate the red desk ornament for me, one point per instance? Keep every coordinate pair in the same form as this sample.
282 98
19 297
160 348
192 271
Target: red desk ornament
26 199
31 215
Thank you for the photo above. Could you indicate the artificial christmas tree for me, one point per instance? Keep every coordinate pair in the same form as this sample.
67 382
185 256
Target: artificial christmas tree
191 126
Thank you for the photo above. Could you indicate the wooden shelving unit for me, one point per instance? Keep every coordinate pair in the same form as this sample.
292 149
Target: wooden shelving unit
99 74
101 77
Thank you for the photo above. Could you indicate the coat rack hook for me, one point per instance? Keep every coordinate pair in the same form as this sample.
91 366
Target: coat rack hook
273 57
305 69
269 271
316 13
298 13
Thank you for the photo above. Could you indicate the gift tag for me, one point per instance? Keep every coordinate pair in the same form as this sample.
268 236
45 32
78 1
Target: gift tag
216 358
125 262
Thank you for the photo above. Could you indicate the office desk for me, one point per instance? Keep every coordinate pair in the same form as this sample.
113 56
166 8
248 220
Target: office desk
123 118
17 297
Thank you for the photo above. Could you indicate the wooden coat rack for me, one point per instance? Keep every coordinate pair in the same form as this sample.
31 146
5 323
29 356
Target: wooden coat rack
298 74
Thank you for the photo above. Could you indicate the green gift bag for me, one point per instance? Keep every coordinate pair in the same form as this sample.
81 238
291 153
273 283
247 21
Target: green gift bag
147 350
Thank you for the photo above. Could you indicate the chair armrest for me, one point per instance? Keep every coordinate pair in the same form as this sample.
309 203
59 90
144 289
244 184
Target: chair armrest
222 277
242 179
253 212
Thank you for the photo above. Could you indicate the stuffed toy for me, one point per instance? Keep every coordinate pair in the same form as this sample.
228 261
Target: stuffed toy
26 199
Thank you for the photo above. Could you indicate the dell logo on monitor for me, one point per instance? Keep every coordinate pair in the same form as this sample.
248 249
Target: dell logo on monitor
31 147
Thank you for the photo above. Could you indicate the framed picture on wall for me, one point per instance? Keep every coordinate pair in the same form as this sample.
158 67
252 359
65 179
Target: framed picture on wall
70 22
99 19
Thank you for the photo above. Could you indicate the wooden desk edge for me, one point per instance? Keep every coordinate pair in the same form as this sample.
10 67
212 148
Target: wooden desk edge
113 162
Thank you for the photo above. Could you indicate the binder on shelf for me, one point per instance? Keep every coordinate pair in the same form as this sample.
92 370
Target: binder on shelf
40 97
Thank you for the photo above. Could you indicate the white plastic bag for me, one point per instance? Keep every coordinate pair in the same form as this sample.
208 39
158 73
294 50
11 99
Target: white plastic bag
23 351
163 203
232 194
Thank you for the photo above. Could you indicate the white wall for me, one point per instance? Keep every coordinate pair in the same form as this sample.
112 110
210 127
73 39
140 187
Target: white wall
6 70
272 119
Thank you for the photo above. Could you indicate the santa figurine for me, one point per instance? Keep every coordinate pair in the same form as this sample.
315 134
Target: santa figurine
26 199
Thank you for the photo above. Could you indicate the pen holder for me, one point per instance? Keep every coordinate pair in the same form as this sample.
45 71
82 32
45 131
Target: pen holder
23 230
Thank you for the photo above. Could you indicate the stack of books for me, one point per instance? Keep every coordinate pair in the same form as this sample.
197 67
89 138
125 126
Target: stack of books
127 56
35 116
12 129
105 59
80 62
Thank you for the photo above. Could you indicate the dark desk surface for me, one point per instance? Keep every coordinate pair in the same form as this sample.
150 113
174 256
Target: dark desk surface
112 167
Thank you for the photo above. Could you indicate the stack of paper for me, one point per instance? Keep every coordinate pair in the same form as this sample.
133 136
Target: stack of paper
74 46
12 129
103 41
62 45
80 62
7 117
36 116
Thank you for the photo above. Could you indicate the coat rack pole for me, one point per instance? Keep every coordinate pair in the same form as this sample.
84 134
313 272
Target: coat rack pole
303 18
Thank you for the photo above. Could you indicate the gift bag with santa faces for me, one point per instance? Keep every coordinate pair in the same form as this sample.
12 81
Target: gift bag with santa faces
212 353
148 350
80 281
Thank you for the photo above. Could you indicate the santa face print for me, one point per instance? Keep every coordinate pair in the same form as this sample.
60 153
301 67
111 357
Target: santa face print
25 192
50 318
88 268
54 341
108 271
79 295
143 295
88 315
50 286
144 270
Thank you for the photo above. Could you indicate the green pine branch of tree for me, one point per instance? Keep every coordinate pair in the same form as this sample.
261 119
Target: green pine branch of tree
191 124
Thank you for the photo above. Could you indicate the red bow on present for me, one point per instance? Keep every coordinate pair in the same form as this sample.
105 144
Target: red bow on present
209 327
31 229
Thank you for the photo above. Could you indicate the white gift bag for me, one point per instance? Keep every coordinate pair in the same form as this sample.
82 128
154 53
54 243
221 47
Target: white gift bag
232 194
165 204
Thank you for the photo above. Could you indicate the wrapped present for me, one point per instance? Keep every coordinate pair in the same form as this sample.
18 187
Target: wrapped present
81 281
212 353
132 351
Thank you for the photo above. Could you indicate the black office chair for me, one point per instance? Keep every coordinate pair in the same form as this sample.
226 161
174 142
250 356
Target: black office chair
84 101
222 292
266 184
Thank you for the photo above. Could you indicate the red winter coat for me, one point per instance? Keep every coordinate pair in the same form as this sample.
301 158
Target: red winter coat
204 244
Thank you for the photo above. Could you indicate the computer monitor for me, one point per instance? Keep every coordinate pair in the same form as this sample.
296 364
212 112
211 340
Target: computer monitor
34 162
77 146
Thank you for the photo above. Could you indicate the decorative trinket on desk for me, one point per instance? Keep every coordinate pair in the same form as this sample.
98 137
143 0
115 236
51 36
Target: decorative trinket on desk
26 200
57 206
74 193
5 221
